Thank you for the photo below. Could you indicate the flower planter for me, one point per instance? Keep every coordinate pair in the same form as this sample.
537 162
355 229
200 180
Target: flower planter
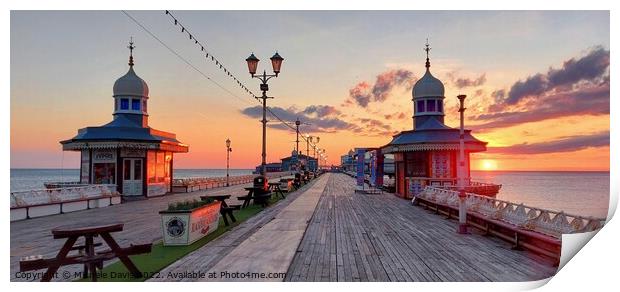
187 226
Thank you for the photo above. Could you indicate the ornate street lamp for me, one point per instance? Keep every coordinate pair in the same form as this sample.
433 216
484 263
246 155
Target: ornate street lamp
276 63
228 150
462 229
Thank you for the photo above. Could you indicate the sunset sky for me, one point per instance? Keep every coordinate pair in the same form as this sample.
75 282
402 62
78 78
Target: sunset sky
537 82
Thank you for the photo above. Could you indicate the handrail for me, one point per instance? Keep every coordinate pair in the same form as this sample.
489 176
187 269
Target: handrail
544 221
59 195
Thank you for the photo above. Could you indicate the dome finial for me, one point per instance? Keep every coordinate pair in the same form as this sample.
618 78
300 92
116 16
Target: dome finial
427 49
131 47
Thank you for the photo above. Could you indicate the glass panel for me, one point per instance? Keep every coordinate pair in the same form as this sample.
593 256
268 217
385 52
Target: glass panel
416 164
160 166
440 106
137 169
124 103
144 105
150 161
420 106
430 105
103 173
126 169
135 104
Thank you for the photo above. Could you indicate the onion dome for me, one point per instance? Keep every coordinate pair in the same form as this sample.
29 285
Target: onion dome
428 85
130 84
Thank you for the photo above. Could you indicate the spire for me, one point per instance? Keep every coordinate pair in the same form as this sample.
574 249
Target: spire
427 49
131 47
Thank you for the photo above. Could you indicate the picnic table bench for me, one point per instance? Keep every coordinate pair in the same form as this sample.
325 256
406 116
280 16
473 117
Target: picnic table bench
258 194
275 187
87 255
225 209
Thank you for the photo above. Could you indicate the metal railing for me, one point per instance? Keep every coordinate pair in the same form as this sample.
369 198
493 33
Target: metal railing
544 221
199 183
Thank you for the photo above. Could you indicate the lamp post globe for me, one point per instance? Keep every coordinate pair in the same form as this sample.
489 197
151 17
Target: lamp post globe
252 64
276 63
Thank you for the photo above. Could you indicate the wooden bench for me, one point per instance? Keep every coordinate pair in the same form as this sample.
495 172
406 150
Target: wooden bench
92 259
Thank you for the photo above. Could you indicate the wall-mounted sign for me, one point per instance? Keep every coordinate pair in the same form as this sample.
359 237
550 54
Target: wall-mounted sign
104 155
128 152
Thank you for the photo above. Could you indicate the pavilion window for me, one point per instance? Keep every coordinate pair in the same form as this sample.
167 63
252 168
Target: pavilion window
151 162
430 104
104 173
420 106
416 164
124 103
135 104
160 167
440 106
144 105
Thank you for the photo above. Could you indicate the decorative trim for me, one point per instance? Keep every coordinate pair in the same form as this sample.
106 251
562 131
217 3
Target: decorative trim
431 147
129 145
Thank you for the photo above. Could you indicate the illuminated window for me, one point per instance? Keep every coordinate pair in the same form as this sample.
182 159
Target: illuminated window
124 103
135 104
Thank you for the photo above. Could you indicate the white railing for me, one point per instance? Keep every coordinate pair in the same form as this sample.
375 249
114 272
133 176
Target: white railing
60 195
531 218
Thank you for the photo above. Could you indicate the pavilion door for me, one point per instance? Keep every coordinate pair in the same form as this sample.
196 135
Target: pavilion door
132 176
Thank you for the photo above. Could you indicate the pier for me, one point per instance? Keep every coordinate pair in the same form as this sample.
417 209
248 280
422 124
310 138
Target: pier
360 237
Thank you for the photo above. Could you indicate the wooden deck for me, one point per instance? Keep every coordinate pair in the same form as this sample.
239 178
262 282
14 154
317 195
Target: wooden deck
361 237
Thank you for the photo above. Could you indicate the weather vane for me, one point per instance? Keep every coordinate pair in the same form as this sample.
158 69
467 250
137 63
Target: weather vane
131 47
427 49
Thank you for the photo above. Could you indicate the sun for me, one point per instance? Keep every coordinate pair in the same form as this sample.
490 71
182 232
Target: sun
488 164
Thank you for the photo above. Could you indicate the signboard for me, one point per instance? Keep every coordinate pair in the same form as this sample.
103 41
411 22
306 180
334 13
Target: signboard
360 167
376 168
128 152
185 228
416 186
104 156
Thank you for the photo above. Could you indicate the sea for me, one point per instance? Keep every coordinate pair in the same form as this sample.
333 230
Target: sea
578 193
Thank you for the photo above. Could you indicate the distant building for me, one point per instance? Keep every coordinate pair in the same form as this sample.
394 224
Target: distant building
347 161
291 163
270 167
126 151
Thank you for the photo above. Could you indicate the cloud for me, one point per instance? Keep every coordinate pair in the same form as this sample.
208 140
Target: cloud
592 66
579 87
313 121
363 93
565 144
322 110
467 82
395 116
592 100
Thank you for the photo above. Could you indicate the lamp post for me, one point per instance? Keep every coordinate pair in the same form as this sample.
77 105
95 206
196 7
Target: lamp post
462 229
276 63
228 150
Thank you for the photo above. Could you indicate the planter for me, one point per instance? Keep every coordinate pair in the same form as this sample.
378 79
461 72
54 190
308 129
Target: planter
187 226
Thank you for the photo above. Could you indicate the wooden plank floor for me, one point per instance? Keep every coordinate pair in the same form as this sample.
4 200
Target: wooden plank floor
363 237
141 219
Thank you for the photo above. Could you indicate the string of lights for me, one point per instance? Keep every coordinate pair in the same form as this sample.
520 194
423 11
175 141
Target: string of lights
209 57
